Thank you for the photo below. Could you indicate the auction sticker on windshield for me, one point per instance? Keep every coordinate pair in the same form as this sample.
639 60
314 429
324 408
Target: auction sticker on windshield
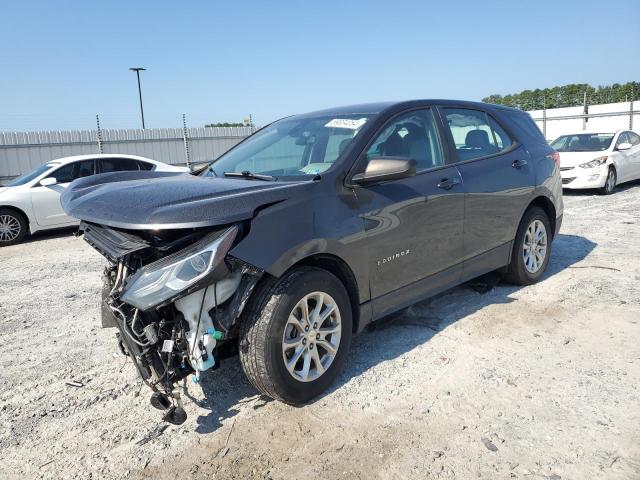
346 123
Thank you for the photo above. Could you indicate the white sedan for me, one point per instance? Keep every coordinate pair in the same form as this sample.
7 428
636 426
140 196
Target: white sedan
32 202
598 160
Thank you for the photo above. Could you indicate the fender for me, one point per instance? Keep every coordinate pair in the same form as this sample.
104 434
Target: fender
289 232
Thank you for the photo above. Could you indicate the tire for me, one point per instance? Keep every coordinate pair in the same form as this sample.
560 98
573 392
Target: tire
268 319
13 227
524 269
610 182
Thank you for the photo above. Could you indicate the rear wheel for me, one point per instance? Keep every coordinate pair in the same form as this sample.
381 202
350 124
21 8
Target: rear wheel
296 334
13 227
531 249
610 183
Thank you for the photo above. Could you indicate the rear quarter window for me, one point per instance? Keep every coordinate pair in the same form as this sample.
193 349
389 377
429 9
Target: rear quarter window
145 165
523 127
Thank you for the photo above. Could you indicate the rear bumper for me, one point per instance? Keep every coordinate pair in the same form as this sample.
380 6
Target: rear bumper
578 177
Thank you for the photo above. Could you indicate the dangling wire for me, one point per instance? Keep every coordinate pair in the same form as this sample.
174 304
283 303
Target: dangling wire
195 334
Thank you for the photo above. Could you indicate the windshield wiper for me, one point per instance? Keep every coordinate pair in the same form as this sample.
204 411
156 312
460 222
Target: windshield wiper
248 174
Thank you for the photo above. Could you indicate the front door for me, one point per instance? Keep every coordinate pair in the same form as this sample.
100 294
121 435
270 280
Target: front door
627 161
413 225
46 200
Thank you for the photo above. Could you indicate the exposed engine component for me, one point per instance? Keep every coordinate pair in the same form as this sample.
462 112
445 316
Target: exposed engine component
195 307
174 300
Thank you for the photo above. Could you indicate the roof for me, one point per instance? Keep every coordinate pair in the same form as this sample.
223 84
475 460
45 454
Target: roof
75 158
379 107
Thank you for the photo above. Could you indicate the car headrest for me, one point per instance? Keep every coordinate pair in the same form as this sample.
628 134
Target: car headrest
477 139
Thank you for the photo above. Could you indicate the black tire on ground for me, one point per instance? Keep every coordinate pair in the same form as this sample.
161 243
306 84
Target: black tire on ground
263 325
14 218
610 182
516 272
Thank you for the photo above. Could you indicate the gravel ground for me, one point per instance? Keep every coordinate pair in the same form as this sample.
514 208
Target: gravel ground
537 382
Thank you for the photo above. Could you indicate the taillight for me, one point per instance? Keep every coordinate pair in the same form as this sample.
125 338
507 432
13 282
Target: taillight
556 158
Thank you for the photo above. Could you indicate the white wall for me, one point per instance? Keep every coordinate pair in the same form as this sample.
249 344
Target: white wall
555 128
23 151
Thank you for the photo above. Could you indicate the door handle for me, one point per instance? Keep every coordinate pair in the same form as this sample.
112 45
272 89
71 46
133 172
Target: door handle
519 163
447 183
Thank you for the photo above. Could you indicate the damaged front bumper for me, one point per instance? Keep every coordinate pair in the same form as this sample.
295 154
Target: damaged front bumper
175 299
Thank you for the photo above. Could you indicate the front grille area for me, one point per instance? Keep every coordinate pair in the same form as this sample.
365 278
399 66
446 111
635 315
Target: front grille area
568 180
564 169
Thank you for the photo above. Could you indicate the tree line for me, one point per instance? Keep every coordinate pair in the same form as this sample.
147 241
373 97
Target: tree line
568 96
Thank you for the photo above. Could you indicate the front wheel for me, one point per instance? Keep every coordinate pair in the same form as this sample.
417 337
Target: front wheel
13 227
531 249
610 182
295 335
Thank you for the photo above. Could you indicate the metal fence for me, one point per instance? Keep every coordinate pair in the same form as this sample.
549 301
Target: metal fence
21 152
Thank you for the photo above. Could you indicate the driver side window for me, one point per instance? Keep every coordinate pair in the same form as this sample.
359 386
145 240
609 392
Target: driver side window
68 173
622 138
411 135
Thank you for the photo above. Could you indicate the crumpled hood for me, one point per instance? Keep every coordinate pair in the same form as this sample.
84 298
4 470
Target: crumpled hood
159 200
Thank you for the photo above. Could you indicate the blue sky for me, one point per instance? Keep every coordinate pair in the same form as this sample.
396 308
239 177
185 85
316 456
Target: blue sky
62 62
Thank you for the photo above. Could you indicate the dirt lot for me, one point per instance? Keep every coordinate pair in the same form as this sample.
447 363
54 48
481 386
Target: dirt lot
537 382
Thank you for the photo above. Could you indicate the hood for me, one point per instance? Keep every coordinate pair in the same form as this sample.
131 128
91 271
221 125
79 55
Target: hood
162 200
573 159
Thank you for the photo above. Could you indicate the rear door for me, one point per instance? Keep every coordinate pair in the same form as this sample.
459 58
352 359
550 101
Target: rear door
498 178
413 225
46 200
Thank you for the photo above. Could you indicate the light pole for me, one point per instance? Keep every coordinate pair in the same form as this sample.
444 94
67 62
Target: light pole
137 70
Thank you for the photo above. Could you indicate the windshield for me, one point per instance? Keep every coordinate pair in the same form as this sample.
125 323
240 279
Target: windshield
291 147
29 176
583 142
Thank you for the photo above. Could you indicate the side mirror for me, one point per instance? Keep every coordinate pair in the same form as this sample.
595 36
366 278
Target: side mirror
47 182
386 168
624 146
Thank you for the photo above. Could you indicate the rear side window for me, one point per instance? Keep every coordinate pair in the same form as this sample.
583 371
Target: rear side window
633 138
145 165
503 140
475 134
118 165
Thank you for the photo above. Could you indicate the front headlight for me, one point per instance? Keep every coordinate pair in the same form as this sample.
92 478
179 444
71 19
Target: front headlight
160 281
594 163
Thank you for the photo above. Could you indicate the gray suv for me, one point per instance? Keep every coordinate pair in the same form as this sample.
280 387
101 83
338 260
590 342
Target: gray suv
310 229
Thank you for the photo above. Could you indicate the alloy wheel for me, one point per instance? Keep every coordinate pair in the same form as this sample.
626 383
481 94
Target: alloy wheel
311 336
534 248
9 228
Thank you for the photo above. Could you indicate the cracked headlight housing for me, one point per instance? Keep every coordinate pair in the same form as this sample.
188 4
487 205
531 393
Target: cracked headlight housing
594 163
168 277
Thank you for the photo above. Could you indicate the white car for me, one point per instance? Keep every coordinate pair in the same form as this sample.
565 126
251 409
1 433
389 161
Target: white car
32 202
598 160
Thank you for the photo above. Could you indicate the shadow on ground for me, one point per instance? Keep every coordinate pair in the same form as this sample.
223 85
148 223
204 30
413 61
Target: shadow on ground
227 389
50 234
